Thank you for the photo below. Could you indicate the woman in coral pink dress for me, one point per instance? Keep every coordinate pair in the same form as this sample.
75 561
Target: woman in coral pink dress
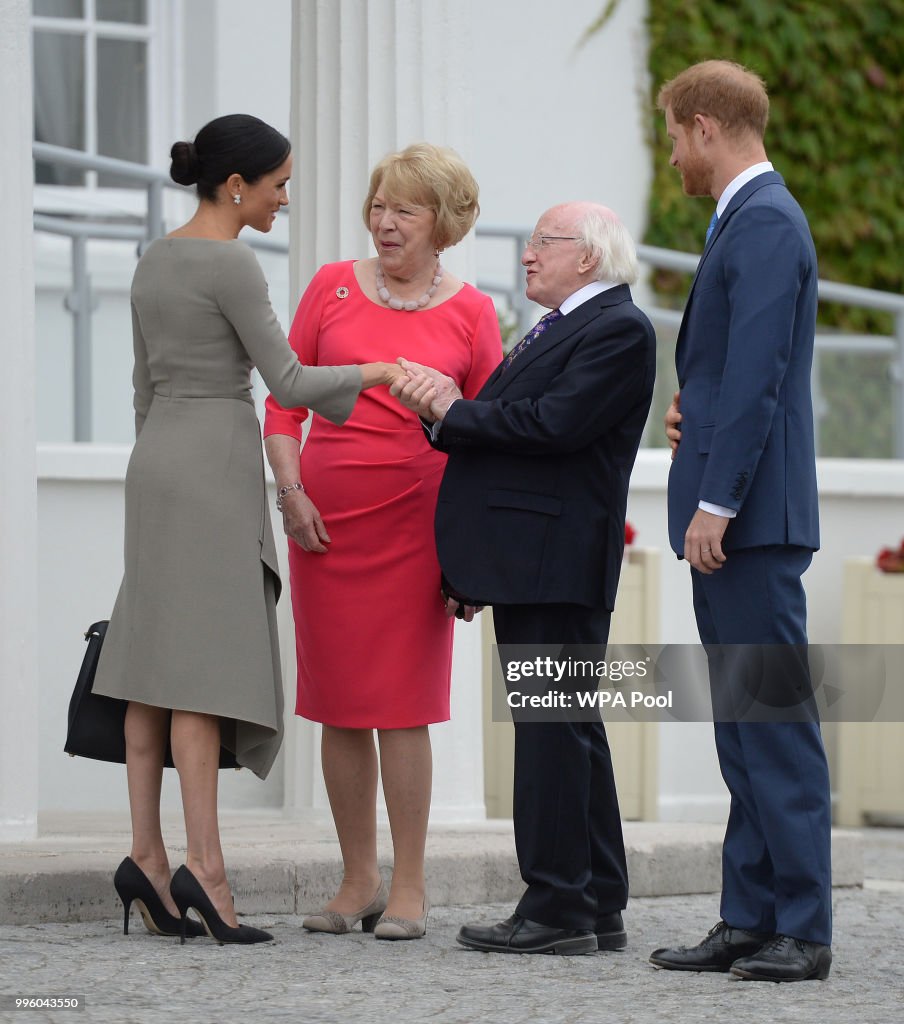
374 639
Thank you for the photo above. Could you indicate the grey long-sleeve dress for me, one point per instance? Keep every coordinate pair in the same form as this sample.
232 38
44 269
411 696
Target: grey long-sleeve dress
194 625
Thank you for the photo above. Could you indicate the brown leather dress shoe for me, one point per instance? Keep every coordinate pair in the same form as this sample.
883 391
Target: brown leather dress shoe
717 952
784 958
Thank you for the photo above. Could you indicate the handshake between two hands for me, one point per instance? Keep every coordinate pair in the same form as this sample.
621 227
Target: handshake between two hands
425 390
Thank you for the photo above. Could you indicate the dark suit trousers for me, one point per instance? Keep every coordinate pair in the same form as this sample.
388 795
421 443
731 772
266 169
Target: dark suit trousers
776 858
568 833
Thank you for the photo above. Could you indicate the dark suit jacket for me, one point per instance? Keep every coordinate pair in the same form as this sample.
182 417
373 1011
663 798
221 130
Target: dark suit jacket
744 354
531 509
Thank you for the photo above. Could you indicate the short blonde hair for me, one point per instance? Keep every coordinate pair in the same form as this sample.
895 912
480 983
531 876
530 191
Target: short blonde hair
434 177
727 92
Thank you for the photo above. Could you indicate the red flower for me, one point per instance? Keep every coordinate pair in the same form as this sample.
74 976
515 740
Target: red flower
630 533
890 559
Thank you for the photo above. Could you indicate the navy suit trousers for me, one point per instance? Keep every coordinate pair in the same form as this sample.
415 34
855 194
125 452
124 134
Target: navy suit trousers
776 858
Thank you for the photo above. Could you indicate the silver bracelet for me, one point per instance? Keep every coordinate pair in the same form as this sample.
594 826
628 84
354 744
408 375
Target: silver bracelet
283 491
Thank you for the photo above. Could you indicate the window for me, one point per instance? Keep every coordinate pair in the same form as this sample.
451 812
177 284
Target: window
92 63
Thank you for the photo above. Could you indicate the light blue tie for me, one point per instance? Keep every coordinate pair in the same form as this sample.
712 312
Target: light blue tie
714 220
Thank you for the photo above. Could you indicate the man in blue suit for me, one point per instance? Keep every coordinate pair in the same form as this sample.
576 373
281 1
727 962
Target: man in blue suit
531 520
743 512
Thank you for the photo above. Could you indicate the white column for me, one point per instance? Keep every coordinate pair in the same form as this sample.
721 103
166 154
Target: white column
18 490
369 77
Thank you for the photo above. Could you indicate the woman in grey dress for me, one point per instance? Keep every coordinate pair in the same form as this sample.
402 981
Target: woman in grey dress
192 641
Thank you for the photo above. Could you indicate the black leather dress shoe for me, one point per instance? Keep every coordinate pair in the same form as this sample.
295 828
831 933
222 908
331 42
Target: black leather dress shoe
610 931
783 958
717 952
518 935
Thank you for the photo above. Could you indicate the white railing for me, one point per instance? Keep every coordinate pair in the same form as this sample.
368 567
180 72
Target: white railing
79 301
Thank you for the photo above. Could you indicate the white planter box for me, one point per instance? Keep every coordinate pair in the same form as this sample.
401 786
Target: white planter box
634 745
870 757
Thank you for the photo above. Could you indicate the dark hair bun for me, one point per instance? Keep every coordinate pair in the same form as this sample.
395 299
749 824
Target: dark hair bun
185 168
233 144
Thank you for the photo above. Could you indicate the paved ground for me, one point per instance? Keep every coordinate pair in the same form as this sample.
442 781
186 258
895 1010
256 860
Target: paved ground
316 978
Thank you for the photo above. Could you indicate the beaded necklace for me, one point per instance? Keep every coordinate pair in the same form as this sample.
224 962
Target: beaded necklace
409 305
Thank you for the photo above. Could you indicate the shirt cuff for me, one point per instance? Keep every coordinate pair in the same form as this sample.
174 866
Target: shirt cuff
717 510
434 428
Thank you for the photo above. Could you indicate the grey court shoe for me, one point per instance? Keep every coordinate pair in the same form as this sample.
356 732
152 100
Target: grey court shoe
340 924
401 927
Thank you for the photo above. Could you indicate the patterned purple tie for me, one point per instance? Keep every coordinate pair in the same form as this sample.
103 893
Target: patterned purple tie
532 335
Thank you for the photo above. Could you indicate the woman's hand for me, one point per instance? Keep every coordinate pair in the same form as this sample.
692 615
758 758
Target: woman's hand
374 374
303 524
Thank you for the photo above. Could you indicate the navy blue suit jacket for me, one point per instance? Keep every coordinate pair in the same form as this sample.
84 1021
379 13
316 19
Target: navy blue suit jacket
744 354
531 508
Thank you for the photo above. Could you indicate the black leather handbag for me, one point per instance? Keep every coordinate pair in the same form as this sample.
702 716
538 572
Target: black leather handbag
96 726
96 723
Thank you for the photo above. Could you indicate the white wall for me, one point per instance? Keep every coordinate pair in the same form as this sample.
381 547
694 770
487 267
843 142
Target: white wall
568 126
861 510
554 121
228 58
111 266
80 564
18 538
80 535
236 60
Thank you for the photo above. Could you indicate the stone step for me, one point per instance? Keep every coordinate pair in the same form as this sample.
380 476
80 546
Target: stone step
282 865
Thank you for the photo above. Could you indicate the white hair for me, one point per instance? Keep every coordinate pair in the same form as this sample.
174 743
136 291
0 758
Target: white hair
608 242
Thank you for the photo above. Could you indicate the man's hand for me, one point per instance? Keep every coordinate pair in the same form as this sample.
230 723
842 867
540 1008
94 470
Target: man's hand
455 609
303 524
672 421
703 541
425 390
415 391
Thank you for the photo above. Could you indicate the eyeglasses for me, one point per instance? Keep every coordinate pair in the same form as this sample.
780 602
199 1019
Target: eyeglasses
541 241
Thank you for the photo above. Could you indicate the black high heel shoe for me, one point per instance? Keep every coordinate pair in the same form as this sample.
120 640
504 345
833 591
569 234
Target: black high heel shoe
134 886
188 893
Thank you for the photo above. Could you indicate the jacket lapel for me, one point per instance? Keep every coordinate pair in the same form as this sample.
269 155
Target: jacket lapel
554 335
737 201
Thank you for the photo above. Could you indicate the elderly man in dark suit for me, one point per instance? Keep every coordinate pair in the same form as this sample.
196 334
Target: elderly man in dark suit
743 512
531 520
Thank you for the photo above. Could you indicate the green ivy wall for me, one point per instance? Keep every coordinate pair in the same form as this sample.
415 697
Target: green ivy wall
835 74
